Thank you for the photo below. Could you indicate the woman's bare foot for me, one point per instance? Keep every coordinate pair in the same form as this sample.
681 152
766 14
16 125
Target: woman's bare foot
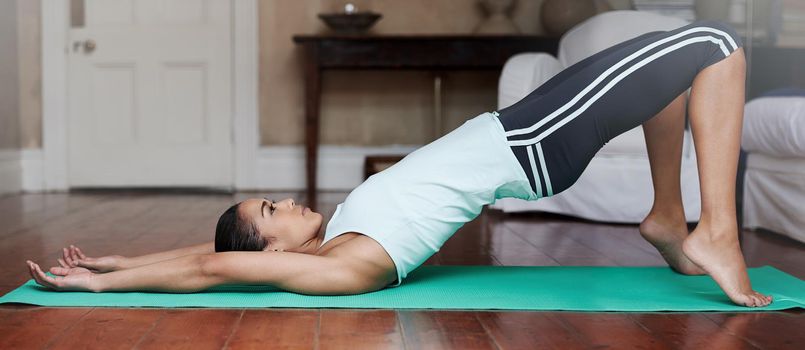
720 256
668 238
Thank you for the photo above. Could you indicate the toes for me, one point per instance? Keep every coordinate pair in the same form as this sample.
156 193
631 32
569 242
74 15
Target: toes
764 299
749 302
755 299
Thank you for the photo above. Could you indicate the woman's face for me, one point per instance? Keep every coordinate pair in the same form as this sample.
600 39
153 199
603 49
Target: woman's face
284 224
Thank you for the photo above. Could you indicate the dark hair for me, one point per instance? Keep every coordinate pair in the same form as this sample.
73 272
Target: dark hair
233 233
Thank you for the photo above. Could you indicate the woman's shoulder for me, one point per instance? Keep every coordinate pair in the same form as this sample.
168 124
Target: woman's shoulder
335 242
363 253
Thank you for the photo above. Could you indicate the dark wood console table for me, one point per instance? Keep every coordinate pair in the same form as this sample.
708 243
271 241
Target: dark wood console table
419 52
774 68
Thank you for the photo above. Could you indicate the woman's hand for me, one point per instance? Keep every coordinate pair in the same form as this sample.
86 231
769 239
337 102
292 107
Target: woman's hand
66 279
74 257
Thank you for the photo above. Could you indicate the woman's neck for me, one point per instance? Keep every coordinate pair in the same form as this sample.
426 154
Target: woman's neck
313 244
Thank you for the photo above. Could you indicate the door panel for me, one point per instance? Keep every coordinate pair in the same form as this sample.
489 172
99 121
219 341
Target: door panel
114 121
150 104
184 85
103 12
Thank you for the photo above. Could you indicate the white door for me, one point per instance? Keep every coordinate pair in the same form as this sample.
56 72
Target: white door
150 94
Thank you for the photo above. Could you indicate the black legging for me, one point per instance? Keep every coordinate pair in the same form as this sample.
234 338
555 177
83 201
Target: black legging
557 129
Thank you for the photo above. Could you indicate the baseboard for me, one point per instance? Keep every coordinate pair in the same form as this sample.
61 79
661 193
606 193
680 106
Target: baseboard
339 167
10 171
33 170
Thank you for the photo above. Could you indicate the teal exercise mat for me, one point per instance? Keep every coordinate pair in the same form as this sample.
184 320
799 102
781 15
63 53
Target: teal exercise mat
571 288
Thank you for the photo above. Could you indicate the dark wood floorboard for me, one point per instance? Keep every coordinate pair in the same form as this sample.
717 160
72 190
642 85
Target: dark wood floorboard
37 226
36 328
283 329
611 331
769 330
529 330
191 329
109 328
689 331
444 330
360 329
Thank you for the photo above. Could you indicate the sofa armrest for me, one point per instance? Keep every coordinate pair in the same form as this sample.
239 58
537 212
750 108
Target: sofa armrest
522 74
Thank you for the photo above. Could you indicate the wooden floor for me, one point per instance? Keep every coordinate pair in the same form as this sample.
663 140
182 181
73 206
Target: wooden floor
37 226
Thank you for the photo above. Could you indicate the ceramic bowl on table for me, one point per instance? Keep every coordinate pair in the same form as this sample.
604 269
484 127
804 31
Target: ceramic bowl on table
350 23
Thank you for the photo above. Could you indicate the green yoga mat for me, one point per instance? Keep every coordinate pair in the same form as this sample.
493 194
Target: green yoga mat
569 288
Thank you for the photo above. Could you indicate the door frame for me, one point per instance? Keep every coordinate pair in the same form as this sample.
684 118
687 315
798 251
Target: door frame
244 60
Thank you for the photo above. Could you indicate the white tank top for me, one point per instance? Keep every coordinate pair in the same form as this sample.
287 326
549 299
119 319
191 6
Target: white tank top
414 206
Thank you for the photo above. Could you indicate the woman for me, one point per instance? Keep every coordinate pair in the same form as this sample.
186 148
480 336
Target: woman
535 148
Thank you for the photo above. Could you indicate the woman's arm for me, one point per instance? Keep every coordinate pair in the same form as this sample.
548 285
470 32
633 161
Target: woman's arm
74 257
295 272
203 248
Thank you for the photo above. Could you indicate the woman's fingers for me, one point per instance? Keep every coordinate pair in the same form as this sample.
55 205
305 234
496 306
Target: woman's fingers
31 271
40 276
48 279
60 271
88 263
80 253
67 257
62 263
73 253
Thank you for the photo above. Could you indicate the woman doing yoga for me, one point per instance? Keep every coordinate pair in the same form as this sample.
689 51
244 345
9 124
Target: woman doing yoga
535 148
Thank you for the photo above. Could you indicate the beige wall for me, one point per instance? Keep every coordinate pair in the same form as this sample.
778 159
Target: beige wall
20 74
9 81
372 107
29 45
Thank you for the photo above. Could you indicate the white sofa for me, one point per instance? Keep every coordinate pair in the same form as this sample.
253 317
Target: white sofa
774 182
616 186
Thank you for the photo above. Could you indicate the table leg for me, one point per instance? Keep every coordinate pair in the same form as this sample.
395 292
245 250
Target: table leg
312 109
438 123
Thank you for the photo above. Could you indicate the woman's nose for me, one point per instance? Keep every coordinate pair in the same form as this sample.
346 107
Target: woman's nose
290 202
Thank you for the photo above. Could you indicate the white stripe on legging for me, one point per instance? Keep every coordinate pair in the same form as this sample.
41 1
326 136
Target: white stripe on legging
609 86
537 184
545 176
615 67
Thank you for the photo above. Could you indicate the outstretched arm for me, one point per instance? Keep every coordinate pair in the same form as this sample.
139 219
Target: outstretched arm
203 248
73 257
295 272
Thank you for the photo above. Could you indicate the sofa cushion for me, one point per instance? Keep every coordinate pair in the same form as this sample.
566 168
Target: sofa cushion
607 29
775 125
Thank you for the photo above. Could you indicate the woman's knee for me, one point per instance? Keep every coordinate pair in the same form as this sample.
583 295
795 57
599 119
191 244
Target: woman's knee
723 31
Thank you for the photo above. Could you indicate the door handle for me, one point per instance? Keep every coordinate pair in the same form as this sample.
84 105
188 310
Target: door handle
87 46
